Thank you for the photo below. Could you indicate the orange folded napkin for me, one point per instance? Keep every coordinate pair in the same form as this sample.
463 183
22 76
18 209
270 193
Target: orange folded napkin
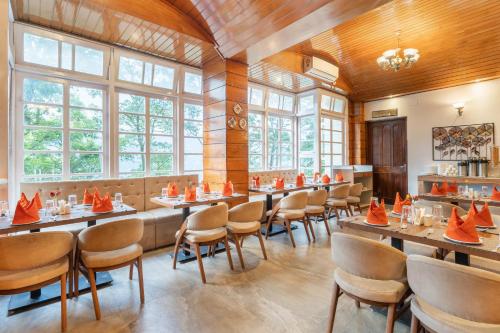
38 201
495 195
300 180
24 200
399 203
190 194
317 176
482 218
280 183
101 205
88 198
376 214
325 179
453 188
339 177
172 190
26 213
461 230
206 187
227 189
257 180
439 190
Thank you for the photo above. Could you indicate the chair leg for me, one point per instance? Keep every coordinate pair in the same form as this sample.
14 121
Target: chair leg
391 314
241 242
415 323
268 227
350 210
333 306
176 250
131 272
93 288
238 250
306 228
228 251
327 225
289 229
261 241
359 208
70 274
141 281
311 228
63 303
200 263
336 213
76 273
358 305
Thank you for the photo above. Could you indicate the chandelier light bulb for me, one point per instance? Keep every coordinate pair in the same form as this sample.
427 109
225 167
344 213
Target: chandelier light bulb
395 59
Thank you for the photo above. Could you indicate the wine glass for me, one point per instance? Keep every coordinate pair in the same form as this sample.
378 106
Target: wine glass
72 200
4 209
484 191
437 214
405 216
164 192
118 199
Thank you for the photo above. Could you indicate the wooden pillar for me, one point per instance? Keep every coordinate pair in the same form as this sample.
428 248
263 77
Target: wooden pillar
225 130
357 133
4 97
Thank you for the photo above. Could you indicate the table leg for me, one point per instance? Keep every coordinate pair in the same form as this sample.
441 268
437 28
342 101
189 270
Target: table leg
35 294
462 258
397 243
327 188
91 223
285 194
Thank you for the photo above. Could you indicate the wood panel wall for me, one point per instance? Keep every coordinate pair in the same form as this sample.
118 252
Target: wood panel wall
357 133
225 151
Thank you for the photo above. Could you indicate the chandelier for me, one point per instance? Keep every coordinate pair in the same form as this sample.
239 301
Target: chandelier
393 59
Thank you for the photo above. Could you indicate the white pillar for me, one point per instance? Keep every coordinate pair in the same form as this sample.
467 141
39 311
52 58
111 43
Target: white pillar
4 98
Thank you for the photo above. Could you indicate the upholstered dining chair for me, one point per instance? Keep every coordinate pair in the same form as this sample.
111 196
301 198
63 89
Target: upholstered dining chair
244 220
206 227
369 272
290 209
109 246
451 298
31 261
337 200
316 201
354 197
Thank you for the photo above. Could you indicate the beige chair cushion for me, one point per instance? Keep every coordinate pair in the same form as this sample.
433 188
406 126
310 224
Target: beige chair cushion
340 191
111 236
353 200
317 198
290 214
315 209
209 218
246 212
243 227
443 322
384 291
111 258
336 202
295 200
10 280
200 236
478 262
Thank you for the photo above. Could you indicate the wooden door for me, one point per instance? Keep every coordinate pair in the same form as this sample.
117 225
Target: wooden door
387 152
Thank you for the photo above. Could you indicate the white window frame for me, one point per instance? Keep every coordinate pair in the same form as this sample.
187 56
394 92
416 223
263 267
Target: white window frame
181 136
263 155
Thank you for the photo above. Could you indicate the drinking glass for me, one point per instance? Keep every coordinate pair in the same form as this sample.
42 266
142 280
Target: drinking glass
437 214
460 190
164 192
254 183
484 191
118 199
50 207
72 200
405 216
4 208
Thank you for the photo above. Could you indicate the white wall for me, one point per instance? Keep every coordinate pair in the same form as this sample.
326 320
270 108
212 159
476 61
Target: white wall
434 108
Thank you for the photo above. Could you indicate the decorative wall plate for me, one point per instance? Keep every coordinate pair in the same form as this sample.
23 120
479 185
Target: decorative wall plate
237 108
243 123
231 122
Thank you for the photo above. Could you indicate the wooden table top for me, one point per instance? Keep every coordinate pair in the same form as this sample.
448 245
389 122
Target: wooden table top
432 236
268 189
78 214
205 199
459 199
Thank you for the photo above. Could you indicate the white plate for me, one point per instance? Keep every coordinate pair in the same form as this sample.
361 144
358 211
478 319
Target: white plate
397 214
26 223
462 242
172 196
436 195
376 225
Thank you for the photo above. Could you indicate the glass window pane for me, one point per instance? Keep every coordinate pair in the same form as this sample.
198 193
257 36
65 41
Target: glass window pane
273 122
286 161
339 105
193 146
254 133
286 123
287 103
161 107
255 162
85 163
85 97
273 161
325 123
307 123
325 135
326 148
193 128
325 102
148 73
132 103
337 148
131 143
286 148
255 120
255 147
85 119
162 144
67 56
132 123
41 50
325 160
163 77
161 125
286 136
132 162
85 141
42 115
256 96
88 60
336 136
42 164
306 104
337 125
193 162
337 160
306 162
40 91
162 164
193 111
307 146
274 100
273 135
43 139
130 70
192 83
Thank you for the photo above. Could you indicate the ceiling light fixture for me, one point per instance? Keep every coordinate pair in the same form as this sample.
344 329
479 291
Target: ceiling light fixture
393 59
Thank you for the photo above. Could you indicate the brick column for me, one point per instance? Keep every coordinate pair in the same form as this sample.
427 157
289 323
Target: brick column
357 133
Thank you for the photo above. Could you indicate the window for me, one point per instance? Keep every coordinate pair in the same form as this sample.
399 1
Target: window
332 104
146 130
255 96
280 102
193 139
279 142
46 155
192 83
307 139
306 104
255 141
141 72
332 143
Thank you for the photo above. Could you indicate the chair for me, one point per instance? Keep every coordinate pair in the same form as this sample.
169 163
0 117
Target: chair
316 208
369 272
31 261
354 197
206 227
106 247
447 207
337 200
452 298
290 208
244 220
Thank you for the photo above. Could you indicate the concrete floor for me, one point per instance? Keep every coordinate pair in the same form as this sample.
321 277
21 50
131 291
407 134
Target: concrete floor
290 292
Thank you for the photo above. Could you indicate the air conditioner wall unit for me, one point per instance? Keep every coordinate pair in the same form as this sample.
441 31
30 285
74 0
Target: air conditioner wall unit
320 69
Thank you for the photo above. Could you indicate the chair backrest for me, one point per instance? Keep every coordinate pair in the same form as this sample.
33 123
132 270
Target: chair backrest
246 212
208 218
317 198
295 200
462 291
33 250
447 207
356 189
111 236
340 192
368 258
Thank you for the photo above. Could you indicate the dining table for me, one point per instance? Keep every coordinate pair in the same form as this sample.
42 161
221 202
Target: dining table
79 214
457 199
430 235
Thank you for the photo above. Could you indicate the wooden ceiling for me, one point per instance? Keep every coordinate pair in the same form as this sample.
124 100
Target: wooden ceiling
458 42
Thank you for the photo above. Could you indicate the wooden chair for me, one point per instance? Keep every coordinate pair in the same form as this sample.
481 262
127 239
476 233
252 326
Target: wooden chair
290 209
109 246
354 197
206 227
369 272
453 298
337 200
30 261
244 220
316 201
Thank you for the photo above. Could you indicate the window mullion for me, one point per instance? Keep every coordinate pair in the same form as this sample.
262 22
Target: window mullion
148 139
66 172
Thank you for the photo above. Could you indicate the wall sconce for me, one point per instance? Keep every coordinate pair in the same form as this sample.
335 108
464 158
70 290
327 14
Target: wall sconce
459 106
